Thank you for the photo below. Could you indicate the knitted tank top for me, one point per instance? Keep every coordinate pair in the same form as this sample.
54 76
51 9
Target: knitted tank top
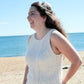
44 65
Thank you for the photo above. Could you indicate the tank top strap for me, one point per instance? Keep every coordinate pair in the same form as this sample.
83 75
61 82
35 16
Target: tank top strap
49 34
31 39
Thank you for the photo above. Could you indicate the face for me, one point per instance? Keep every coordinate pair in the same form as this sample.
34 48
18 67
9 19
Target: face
35 19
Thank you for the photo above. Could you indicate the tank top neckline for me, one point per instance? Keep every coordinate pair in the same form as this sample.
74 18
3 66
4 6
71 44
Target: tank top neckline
43 36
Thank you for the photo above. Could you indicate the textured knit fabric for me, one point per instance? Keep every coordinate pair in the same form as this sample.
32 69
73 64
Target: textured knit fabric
44 65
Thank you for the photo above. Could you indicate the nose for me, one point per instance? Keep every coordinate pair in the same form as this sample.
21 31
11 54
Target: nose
28 17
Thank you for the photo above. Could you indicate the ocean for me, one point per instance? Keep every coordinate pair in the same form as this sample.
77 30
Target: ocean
12 46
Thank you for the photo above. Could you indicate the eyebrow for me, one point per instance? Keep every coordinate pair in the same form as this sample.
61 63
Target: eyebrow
31 11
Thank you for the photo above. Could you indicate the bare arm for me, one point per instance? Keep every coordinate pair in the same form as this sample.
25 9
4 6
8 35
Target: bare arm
65 47
26 69
25 75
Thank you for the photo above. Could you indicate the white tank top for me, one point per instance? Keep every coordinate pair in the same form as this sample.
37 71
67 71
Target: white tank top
44 65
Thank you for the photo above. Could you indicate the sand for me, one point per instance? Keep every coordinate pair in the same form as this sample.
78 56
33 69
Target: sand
12 70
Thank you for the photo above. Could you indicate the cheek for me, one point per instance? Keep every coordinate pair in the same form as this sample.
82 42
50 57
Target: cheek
39 20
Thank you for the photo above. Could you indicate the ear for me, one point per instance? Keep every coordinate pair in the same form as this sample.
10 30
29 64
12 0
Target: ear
44 18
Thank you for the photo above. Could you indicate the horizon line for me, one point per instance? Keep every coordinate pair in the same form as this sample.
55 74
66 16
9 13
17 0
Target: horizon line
30 34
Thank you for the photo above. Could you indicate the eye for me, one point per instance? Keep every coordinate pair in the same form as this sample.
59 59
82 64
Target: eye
31 14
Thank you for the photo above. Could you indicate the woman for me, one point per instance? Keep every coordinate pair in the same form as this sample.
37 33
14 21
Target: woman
46 48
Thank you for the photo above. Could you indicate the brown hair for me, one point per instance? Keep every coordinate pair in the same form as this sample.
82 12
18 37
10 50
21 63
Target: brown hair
51 22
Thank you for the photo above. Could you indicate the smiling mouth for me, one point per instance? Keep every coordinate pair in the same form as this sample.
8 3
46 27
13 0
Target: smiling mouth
31 22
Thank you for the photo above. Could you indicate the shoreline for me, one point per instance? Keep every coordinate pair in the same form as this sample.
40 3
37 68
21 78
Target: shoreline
12 70
13 56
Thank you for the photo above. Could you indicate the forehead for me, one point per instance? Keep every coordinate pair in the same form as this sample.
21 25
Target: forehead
32 8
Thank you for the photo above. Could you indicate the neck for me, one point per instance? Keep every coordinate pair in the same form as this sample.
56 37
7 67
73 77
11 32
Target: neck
41 33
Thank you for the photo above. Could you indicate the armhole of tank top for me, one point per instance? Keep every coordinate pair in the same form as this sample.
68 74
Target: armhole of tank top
51 51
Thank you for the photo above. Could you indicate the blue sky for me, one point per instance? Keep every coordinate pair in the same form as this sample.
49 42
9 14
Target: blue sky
13 14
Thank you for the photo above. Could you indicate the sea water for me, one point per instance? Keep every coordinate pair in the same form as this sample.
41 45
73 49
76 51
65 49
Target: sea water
12 46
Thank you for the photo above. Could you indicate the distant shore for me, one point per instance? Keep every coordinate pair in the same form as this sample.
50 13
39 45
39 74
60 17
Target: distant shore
12 70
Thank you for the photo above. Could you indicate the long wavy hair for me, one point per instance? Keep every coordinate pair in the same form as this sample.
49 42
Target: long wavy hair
51 21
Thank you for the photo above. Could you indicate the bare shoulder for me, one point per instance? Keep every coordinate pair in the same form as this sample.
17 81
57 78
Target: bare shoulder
57 36
60 42
29 38
64 46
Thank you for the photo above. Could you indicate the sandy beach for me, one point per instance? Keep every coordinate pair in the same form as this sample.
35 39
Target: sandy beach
12 70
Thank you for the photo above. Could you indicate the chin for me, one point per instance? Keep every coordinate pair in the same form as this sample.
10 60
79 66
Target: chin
33 28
